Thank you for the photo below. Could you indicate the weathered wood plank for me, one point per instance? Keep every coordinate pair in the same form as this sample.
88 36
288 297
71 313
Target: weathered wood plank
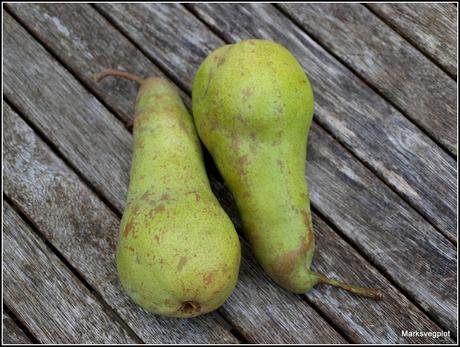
72 213
26 92
47 297
378 134
399 71
431 27
68 31
384 241
382 323
47 94
393 236
12 333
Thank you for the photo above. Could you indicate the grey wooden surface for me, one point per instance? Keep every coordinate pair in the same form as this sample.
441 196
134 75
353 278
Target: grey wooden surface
13 333
382 171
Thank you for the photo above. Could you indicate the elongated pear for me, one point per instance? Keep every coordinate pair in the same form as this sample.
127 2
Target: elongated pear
253 107
178 253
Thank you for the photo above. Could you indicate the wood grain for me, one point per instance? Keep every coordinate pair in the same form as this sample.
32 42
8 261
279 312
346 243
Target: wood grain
248 305
378 134
51 87
68 30
380 322
12 333
29 160
178 52
431 27
425 93
85 231
46 296
401 244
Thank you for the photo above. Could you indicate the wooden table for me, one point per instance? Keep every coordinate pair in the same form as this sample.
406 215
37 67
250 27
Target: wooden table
381 165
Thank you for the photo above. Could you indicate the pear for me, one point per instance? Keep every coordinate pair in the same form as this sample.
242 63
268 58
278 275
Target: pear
253 107
178 253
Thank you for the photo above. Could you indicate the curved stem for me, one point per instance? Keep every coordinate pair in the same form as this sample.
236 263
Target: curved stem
117 73
372 293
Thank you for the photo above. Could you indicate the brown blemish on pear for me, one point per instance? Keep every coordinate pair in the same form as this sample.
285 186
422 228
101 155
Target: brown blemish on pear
182 261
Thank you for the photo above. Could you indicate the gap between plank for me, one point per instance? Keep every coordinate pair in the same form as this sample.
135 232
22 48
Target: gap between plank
182 86
365 81
410 41
106 307
343 144
20 324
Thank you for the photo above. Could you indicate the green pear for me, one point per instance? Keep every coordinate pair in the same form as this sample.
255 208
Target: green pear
253 107
178 253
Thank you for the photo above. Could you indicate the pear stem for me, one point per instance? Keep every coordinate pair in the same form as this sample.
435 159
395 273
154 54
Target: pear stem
116 73
372 293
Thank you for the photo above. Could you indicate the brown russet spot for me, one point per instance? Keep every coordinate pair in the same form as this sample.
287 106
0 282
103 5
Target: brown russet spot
197 194
214 124
147 196
247 92
235 141
159 208
286 263
219 59
276 142
182 261
280 164
208 278
307 221
157 238
246 194
140 144
183 126
185 289
243 160
156 210
141 120
128 228
165 197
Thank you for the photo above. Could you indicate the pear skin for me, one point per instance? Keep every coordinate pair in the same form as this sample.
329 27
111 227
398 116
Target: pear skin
178 253
253 106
